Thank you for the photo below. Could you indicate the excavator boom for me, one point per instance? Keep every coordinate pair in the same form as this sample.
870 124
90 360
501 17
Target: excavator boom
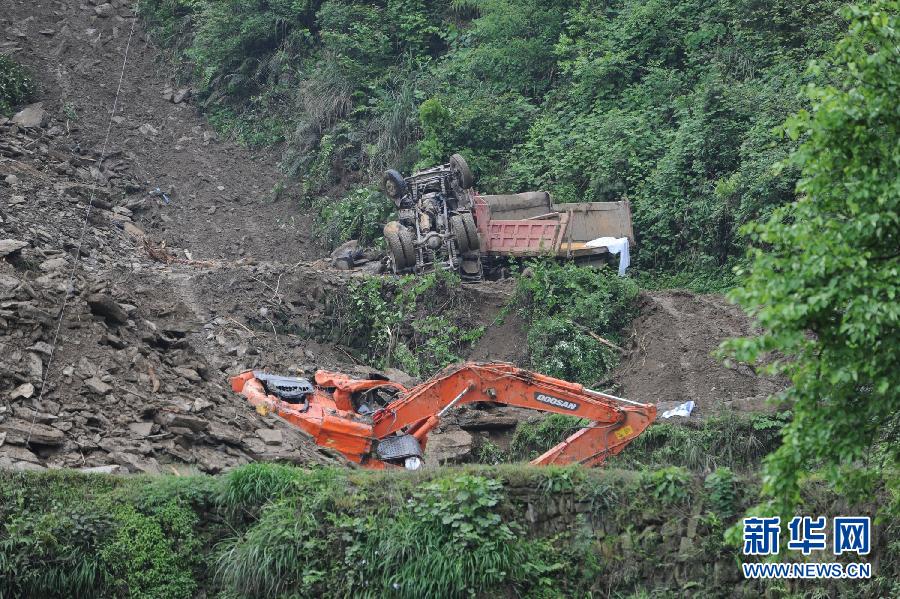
338 414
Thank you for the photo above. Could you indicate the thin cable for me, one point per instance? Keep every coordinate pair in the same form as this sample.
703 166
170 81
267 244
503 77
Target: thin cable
70 285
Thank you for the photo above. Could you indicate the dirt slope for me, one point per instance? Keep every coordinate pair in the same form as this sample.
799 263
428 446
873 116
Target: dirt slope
669 358
221 202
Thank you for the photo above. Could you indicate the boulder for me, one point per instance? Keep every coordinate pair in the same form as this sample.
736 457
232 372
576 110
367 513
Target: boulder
108 308
10 246
97 386
451 446
21 432
270 436
24 391
31 116
141 429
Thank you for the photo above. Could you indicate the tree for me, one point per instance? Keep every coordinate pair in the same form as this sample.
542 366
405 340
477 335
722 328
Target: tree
824 273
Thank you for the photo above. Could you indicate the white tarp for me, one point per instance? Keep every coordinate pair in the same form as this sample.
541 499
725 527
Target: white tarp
684 409
615 245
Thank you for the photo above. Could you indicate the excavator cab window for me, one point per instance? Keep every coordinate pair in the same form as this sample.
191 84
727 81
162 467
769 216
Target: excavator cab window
370 401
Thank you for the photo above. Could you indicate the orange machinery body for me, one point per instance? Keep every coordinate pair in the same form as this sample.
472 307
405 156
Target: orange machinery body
328 412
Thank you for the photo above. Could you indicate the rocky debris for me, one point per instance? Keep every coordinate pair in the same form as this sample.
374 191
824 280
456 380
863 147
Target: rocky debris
31 116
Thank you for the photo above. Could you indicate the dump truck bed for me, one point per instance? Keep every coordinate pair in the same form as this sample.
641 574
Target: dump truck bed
531 224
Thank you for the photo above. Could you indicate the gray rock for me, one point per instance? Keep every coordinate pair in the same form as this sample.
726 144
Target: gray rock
104 11
173 420
201 404
35 366
8 284
52 264
135 462
148 129
187 373
10 246
141 429
97 386
181 95
106 307
19 432
401 377
446 447
270 436
225 434
33 115
24 391
41 347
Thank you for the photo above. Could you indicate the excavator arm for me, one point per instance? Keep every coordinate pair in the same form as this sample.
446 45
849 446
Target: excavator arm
614 421
334 413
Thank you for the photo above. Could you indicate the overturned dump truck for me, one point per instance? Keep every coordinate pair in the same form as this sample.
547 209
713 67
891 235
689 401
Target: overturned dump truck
444 223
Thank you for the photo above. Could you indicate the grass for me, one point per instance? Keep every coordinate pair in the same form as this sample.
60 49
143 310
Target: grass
275 530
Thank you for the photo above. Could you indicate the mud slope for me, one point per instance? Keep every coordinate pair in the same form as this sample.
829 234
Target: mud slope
220 196
669 355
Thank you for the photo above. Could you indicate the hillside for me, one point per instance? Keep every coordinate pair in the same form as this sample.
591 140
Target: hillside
175 173
668 103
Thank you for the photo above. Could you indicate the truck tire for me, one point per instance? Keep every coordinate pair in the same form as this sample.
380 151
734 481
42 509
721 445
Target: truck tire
459 233
393 184
460 168
400 244
468 222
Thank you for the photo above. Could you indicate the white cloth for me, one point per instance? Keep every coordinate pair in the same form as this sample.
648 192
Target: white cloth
684 409
615 245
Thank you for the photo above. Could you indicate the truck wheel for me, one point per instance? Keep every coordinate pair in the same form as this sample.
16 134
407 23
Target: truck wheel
393 184
399 242
468 222
460 168
406 243
458 227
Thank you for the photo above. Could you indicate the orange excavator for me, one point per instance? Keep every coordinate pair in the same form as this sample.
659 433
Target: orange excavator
379 423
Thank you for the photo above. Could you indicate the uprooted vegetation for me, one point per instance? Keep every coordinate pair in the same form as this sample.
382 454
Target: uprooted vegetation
267 530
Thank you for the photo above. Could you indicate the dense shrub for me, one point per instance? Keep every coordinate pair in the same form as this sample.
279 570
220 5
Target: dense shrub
16 85
832 308
567 307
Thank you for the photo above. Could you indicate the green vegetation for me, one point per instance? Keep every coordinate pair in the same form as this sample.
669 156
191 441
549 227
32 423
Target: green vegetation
825 271
267 530
670 103
415 323
360 215
16 86
564 305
